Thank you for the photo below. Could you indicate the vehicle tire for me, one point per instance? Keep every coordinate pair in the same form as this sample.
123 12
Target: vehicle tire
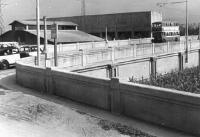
5 64
1 65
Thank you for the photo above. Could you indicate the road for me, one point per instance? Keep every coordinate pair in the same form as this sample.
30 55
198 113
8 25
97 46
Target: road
8 72
25 114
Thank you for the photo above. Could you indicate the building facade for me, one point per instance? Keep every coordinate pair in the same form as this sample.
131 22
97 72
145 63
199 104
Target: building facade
118 25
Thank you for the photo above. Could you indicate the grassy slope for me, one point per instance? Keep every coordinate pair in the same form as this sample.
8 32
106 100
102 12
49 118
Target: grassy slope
187 80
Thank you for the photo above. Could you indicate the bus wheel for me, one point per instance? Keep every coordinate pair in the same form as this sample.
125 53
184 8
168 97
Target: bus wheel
5 64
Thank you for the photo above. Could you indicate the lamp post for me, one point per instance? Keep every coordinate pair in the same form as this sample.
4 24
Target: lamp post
186 33
186 22
38 32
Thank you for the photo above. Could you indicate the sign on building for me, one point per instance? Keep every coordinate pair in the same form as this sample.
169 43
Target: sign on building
54 31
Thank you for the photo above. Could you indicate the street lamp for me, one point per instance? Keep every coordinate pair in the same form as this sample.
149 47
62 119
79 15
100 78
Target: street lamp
38 31
186 23
186 35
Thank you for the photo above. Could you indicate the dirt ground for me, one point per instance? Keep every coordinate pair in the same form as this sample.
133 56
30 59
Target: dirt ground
24 115
28 113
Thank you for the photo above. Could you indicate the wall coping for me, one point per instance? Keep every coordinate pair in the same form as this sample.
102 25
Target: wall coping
162 93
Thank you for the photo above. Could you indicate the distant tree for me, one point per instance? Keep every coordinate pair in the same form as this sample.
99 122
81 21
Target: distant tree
193 29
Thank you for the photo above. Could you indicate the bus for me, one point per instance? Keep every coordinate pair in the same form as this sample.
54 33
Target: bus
165 31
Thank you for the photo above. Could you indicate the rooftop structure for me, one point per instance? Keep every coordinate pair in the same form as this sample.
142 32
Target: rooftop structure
31 25
25 32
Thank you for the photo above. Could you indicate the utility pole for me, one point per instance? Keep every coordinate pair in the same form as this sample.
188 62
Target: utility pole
45 39
83 13
2 27
106 34
199 31
186 35
186 22
83 7
54 35
199 35
38 32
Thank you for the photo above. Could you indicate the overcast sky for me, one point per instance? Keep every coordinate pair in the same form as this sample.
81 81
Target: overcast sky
25 9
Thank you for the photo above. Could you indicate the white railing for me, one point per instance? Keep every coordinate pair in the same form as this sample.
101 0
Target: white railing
85 57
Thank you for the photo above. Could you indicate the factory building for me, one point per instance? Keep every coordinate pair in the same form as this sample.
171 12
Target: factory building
118 25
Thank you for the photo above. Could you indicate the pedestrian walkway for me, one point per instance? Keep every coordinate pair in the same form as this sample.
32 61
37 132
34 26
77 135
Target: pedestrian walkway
9 82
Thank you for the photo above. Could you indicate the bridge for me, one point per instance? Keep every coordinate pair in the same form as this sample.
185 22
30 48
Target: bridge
100 83
124 59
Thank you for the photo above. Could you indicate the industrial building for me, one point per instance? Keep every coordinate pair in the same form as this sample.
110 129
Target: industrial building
118 25
24 32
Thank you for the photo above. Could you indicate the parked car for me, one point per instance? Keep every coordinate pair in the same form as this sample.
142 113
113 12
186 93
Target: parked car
8 56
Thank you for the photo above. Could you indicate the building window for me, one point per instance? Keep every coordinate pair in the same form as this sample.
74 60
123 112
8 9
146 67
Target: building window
20 28
32 27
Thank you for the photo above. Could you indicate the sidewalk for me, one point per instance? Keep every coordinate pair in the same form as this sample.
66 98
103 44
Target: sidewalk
9 82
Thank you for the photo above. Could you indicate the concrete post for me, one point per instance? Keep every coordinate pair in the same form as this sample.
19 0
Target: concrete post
118 43
129 42
77 46
135 50
112 71
108 71
35 60
93 44
83 59
49 82
113 54
180 60
153 66
115 96
180 46
38 31
27 27
55 53
199 57
153 48
168 47
45 39
116 32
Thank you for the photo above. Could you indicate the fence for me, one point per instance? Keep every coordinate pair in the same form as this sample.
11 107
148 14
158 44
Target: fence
88 57
92 56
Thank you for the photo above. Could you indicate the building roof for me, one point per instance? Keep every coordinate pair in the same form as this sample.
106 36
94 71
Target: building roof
30 22
69 36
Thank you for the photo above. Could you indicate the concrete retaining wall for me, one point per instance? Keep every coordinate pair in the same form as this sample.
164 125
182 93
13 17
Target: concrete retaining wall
81 88
145 67
193 59
136 68
170 108
167 63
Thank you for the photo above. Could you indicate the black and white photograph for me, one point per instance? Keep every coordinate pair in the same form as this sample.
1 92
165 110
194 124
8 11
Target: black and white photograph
99 68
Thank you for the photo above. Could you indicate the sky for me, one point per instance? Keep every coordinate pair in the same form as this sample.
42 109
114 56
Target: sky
25 9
